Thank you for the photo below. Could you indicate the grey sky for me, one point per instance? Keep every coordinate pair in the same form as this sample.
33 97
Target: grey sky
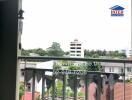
89 21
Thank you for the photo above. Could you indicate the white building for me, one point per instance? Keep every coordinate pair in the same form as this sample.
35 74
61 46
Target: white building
118 68
76 49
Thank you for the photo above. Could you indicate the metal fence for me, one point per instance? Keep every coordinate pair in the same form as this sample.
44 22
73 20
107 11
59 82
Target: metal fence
77 78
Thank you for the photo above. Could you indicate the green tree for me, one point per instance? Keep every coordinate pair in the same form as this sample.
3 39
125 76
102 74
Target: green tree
56 66
116 54
40 51
96 55
25 52
67 53
72 77
55 50
91 66
59 86
21 90
80 94
104 53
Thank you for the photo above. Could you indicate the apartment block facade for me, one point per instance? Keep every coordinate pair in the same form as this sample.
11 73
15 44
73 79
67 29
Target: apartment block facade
76 49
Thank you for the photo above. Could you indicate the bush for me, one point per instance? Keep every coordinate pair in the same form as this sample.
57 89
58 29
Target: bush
129 80
80 94
38 98
70 94
21 90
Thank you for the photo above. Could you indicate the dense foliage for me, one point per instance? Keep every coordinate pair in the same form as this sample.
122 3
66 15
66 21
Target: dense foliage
104 53
55 50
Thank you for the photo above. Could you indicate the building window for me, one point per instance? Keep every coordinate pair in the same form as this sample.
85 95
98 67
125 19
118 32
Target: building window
78 51
78 55
121 70
72 44
111 69
78 47
78 44
72 54
72 51
129 69
72 48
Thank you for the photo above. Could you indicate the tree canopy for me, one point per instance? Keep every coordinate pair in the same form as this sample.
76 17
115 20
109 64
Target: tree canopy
55 50
103 53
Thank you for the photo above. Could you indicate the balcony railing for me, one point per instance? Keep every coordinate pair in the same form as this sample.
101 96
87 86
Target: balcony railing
88 70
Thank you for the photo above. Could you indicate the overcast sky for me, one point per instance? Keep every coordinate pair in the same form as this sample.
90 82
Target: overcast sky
89 21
